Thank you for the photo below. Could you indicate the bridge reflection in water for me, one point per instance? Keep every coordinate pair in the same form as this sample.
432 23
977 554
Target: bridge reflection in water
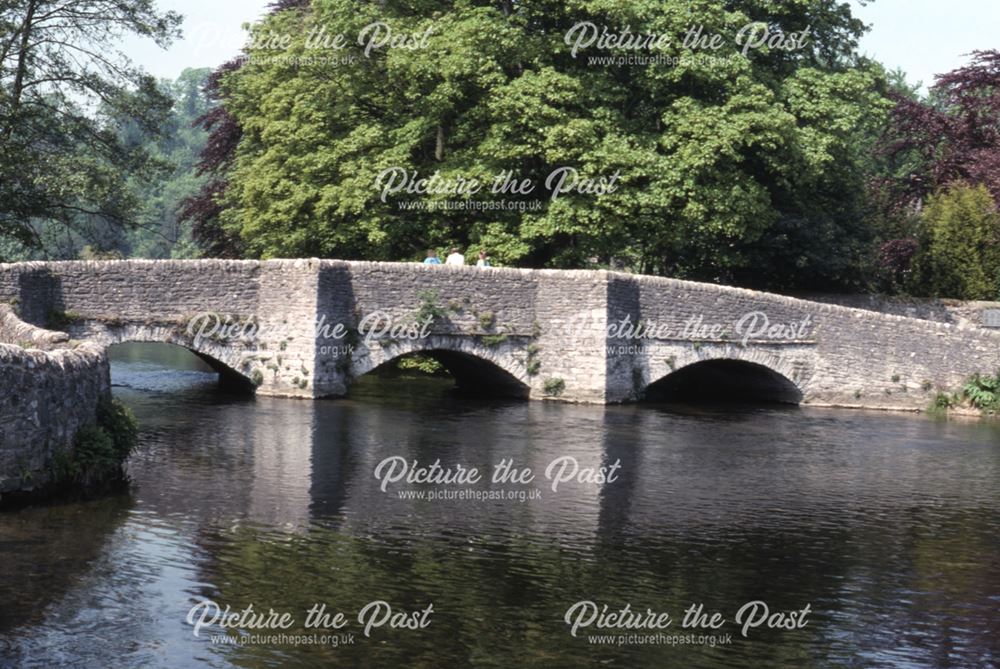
274 502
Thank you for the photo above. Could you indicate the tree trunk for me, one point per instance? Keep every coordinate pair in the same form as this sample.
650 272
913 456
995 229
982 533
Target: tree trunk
439 146
22 67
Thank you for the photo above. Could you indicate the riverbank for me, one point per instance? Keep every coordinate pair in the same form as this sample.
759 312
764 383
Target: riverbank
61 431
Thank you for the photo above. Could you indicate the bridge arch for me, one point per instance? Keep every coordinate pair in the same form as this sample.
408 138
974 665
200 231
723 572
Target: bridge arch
232 364
730 374
475 367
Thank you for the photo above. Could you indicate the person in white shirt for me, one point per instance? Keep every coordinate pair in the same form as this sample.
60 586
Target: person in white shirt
455 258
483 260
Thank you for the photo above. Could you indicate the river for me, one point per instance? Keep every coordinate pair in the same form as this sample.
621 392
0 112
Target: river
882 528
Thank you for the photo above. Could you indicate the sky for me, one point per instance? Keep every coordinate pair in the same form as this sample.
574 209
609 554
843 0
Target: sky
923 37
928 37
212 35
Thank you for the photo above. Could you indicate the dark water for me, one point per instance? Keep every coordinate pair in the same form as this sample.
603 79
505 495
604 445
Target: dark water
885 525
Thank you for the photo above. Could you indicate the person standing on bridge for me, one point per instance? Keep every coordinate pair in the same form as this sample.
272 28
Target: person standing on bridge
432 258
483 260
455 258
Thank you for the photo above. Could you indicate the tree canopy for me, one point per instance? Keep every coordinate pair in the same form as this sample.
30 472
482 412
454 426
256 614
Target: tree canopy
730 164
939 169
64 88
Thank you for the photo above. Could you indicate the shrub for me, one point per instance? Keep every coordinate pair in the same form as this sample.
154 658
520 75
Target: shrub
983 392
554 386
119 422
94 449
420 363
100 450
960 246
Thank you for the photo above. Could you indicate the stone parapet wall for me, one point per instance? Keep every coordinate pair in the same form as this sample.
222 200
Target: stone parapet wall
956 312
51 388
130 289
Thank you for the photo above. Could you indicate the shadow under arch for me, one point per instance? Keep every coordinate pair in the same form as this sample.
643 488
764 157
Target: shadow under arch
724 380
173 355
474 376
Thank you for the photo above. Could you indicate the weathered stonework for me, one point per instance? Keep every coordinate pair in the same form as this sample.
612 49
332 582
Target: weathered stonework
51 388
967 314
536 333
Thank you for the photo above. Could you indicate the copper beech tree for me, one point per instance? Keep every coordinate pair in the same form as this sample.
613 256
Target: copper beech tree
940 169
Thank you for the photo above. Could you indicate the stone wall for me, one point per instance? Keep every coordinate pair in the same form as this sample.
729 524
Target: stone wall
51 388
955 312
515 319
130 289
542 333
845 357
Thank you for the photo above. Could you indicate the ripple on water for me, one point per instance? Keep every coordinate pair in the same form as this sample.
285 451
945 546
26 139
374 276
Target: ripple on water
886 525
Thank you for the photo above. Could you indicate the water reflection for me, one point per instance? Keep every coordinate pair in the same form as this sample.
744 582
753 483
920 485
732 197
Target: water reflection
886 525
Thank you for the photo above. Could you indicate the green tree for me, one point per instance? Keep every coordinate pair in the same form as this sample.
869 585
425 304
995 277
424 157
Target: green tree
61 88
730 168
154 230
960 246
159 232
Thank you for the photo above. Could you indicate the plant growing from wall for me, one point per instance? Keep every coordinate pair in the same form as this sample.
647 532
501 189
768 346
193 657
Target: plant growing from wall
553 386
60 320
983 392
944 401
486 320
429 309
99 450
494 340
533 364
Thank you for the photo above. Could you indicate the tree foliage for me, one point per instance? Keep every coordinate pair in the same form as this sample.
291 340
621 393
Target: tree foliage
154 229
952 136
960 249
160 232
63 85
731 168
933 150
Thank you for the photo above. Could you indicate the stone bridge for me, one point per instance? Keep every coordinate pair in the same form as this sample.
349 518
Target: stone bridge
309 328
